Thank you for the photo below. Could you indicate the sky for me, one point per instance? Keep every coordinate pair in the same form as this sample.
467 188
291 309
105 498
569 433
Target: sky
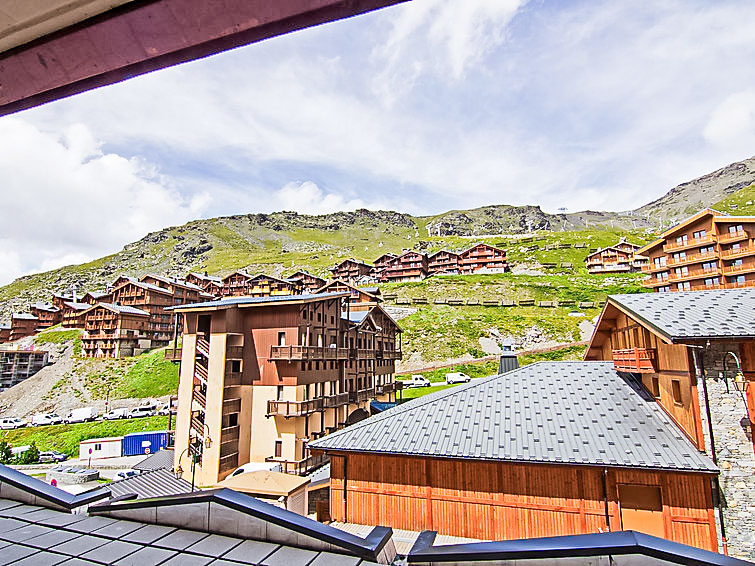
422 107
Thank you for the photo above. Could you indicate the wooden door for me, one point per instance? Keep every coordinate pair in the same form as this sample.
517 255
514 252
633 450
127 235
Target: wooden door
641 509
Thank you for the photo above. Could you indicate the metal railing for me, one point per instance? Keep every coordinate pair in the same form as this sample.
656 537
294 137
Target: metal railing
300 467
635 360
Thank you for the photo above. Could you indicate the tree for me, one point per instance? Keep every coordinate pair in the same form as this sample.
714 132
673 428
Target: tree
6 455
30 456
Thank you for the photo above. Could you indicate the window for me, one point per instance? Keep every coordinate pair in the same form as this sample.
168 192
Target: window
735 229
681 239
737 279
679 256
660 261
711 281
735 263
683 286
98 447
279 393
676 391
278 448
235 366
281 338
706 250
233 419
655 387
681 271
699 234
662 276
709 266
664 289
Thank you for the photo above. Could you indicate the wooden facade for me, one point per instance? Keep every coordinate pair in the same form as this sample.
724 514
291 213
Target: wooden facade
482 258
307 282
358 299
72 314
111 331
265 378
382 262
240 284
494 500
47 314
707 251
209 283
443 262
4 333
22 325
350 270
409 266
622 257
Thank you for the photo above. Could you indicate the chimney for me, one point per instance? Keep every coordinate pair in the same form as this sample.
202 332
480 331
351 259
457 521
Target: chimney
508 360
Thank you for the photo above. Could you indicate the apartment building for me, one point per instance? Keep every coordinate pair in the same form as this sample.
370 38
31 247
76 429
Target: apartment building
382 262
183 291
409 266
262 376
482 258
22 325
350 270
359 299
211 284
709 250
17 365
622 257
115 331
307 282
72 312
47 314
4 333
241 284
443 262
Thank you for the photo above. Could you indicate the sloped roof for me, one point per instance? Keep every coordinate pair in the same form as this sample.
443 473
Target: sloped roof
77 306
252 301
122 309
23 316
716 313
265 482
42 306
549 412
151 483
157 460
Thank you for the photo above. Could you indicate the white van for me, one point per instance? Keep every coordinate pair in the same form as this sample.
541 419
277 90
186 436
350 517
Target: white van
10 423
457 377
82 415
43 419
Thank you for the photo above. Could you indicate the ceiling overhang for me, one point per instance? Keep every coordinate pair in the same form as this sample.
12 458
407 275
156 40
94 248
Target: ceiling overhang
51 49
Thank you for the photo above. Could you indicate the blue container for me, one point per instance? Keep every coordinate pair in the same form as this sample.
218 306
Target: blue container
147 442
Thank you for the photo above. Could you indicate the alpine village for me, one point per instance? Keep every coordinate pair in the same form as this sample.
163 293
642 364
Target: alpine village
498 374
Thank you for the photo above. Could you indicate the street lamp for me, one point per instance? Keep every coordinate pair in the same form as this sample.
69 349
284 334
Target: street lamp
178 471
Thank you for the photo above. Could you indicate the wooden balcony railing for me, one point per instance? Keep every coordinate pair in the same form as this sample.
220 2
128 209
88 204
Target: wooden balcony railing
173 354
740 251
302 353
740 284
744 268
200 398
232 378
635 360
231 406
337 400
389 354
727 237
361 395
689 243
234 352
229 433
365 354
289 409
694 274
197 424
200 372
300 467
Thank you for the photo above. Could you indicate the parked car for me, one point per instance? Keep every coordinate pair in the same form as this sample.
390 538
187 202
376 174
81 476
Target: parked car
143 411
116 414
417 381
10 423
52 456
82 415
457 377
122 475
43 419
164 410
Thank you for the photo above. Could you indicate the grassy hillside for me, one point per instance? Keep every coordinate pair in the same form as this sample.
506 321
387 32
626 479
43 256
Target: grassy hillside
741 203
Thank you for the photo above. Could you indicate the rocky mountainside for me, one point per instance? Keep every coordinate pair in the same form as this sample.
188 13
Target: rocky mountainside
281 242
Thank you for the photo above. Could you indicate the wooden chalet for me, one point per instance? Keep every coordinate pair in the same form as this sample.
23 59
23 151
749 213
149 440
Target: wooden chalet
153 300
409 266
350 270
241 284
307 282
5 333
622 257
23 325
94 297
58 299
115 331
183 291
482 258
359 299
550 449
709 250
382 262
443 262
209 283
72 312
47 314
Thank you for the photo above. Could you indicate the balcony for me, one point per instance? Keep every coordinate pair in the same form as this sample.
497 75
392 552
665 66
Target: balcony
741 284
173 354
232 378
337 400
738 252
203 347
303 353
361 395
200 398
736 269
365 354
690 243
728 237
229 434
696 274
689 259
234 352
635 360
387 388
300 467
290 409
231 406
389 354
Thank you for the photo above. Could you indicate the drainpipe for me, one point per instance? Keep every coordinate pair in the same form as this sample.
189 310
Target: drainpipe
605 499
697 356
345 497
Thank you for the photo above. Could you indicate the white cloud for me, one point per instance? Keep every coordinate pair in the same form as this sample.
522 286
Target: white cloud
67 201
732 123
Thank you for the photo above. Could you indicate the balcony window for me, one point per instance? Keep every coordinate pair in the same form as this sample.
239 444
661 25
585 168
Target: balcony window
679 256
735 229
737 279
699 234
709 266
681 271
682 239
660 261
735 263
683 286
278 448
676 391
655 388
662 276
707 250
711 281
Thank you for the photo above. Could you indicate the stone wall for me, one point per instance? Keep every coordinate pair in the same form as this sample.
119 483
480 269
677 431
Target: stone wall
733 440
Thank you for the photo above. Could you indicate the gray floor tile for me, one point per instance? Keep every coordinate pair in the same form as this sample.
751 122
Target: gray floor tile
148 534
251 551
180 539
289 556
13 553
112 551
79 545
118 529
214 545
42 514
42 559
78 562
22 533
331 559
147 556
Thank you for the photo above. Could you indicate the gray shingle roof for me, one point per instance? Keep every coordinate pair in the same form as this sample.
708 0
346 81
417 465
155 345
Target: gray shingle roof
124 309
549 412
160 459
152 483
724 313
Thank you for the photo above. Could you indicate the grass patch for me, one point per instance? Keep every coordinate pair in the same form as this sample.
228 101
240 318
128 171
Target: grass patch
66 438
741 203
151 376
